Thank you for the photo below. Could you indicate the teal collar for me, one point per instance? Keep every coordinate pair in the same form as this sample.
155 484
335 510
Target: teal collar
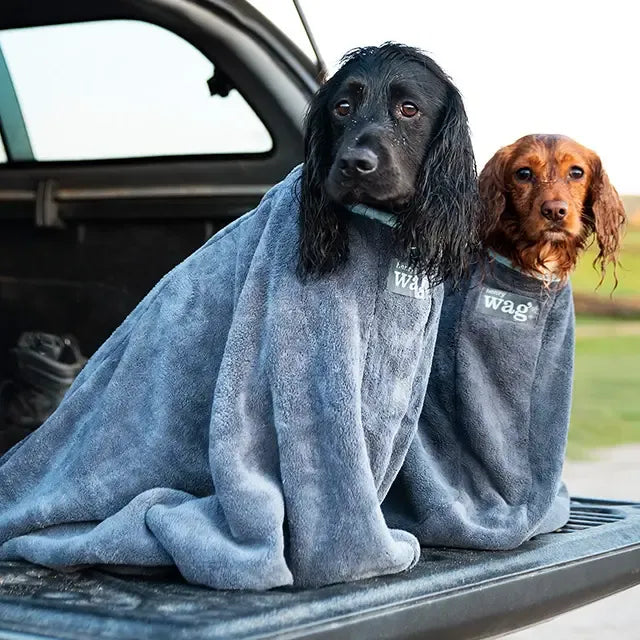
507 263
391 220
365 210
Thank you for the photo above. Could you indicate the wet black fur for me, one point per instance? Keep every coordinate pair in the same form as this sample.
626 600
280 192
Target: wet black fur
440 223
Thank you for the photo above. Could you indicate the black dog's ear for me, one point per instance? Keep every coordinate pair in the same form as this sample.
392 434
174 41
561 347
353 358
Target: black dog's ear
323 244
442 230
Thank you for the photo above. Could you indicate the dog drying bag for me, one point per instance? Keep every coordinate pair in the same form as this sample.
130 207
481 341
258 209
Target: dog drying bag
484 470
241 424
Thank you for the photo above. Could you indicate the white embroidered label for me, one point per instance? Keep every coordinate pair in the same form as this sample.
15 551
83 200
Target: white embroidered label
403 279
508 306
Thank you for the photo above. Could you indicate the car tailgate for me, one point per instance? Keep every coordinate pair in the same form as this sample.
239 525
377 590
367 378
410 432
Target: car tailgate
449 594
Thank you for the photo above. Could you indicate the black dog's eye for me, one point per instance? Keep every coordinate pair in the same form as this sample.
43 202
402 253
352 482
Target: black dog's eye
408 109
575 173
343 108
525 174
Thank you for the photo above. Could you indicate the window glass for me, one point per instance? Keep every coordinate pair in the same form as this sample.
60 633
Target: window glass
122 88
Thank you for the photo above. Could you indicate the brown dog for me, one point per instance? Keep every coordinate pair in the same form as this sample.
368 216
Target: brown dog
548 195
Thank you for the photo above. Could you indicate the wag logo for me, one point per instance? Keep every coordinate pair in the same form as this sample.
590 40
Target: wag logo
508 306
402 279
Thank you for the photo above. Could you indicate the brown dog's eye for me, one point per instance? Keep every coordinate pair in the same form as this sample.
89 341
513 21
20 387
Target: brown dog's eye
525 174
575 173
408 109
343 108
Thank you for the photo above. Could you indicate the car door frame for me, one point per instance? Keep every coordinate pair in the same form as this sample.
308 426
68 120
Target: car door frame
273 76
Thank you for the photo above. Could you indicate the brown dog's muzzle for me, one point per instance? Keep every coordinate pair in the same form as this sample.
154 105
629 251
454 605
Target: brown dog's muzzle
554 210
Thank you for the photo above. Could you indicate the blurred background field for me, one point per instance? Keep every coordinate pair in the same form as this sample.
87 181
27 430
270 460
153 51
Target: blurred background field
606 399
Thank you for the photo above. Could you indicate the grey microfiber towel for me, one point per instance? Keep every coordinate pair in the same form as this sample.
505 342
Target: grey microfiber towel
241 424
484 470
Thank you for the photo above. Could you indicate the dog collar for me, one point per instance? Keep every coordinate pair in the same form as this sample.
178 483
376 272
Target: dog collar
507 263
365 210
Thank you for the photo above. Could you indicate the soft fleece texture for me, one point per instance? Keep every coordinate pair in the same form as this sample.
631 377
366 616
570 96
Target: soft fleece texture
484 470
240 423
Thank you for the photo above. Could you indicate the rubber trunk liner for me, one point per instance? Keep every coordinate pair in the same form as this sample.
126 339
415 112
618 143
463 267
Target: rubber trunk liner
449 594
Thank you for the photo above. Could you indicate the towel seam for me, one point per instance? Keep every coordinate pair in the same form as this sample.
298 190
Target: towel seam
456 390
365 376
535 377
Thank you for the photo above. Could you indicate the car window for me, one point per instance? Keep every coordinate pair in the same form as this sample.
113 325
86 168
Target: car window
123 88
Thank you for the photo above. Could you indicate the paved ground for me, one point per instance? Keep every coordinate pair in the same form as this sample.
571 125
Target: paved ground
609 473
613 473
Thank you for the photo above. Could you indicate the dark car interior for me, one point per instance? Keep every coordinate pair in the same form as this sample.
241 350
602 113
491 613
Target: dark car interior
84 239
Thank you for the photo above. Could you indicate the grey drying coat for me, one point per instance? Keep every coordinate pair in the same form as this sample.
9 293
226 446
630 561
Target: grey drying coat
484 470
239 424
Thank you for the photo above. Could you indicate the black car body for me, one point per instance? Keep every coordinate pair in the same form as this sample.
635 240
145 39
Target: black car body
84 239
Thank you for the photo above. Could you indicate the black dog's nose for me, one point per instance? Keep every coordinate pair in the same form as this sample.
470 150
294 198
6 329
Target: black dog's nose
554 209
358 161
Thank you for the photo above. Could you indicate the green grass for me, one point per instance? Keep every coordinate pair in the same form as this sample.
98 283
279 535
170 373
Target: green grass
606 395
585 320
585 278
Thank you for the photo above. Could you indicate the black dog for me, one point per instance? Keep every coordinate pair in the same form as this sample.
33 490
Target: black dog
389 130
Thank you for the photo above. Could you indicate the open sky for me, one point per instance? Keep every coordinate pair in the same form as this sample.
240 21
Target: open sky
549 66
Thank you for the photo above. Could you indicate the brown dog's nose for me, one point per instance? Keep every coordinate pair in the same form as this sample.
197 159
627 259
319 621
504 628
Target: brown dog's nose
554 210
358 161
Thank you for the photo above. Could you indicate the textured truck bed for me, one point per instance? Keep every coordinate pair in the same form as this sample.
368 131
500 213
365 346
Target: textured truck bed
449 594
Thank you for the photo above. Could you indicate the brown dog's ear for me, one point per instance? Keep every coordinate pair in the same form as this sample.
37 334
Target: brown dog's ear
606 216
492 186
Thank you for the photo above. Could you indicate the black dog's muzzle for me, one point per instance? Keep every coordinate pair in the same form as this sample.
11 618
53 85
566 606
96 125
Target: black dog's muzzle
357 161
